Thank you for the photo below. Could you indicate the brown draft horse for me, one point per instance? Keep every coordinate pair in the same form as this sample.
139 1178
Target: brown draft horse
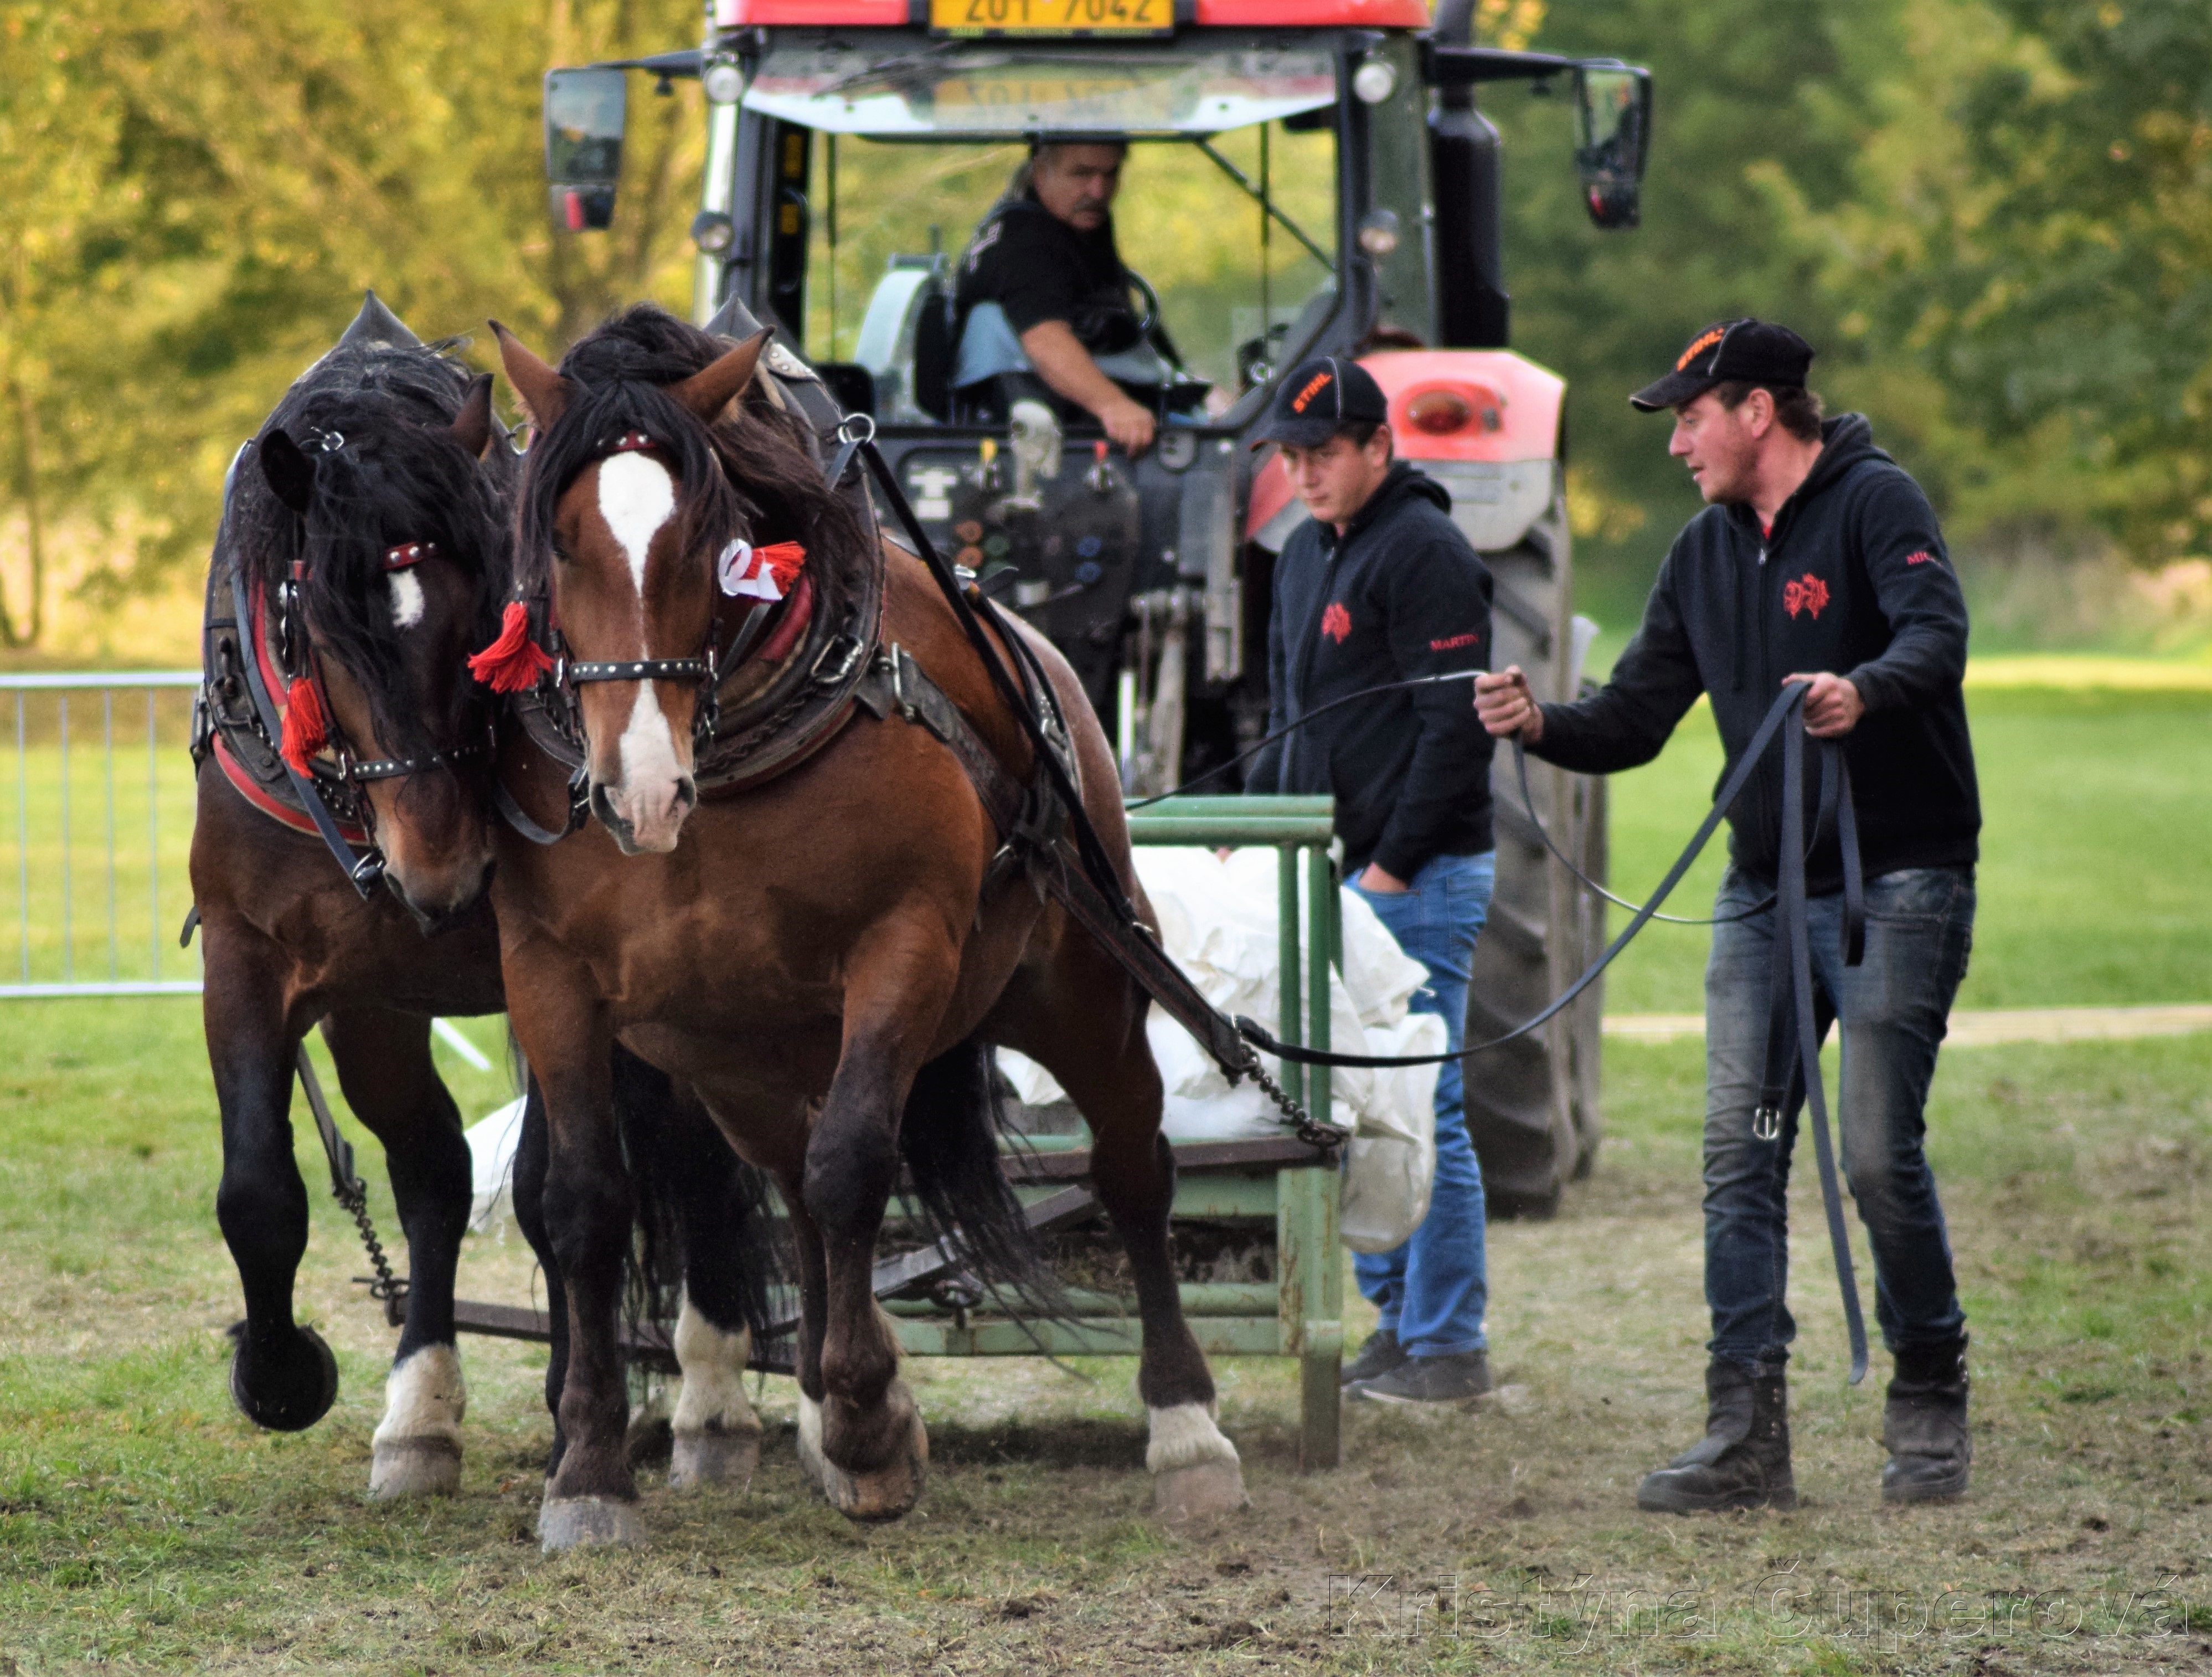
368 531
822 958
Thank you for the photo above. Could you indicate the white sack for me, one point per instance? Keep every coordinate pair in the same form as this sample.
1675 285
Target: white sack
1218 920
492 1142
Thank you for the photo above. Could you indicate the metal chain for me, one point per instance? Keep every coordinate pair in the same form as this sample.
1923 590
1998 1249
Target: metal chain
387 1289
1311 1131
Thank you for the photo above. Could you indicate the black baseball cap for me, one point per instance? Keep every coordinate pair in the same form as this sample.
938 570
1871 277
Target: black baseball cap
1754 351
1319 399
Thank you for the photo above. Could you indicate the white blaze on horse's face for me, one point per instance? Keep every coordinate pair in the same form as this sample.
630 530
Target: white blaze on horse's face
637 497
406 599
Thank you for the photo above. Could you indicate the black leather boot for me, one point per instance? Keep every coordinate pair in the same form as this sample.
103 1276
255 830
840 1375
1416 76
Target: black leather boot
1378 1356
1743 1460
1924 1424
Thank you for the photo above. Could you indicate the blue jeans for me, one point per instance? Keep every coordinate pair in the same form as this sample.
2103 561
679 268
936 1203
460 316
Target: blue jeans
1894 1008
1432 1290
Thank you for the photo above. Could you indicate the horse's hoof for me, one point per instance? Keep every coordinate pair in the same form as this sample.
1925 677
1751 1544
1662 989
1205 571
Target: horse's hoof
576 1522
414 1468
713 1457
288 1393
866 1499
1201 1487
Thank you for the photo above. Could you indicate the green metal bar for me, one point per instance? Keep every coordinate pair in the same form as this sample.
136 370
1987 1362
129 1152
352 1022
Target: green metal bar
1287 966
1243 829
1321 901
1217 1336
1254 1299
1315 809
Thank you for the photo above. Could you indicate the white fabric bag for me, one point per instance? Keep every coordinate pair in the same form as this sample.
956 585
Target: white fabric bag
1217 921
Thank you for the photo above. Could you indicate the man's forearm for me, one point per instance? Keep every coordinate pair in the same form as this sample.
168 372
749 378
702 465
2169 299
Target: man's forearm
1062 362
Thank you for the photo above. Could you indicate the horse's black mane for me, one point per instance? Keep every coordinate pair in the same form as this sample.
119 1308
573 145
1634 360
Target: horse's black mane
769 486
398 475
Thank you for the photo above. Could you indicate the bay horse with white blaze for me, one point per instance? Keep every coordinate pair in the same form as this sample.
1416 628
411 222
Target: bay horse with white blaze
823 956
362 553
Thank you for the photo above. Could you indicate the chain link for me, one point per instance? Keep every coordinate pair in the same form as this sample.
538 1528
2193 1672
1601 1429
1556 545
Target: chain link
1311 1131
388 1290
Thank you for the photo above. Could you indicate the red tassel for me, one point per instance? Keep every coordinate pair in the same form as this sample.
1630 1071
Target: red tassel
512 664
306 730
783 560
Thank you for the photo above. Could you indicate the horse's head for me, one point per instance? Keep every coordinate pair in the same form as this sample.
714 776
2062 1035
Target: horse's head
630 492
390 534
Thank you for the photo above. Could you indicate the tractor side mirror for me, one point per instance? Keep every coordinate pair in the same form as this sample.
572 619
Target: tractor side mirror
584 114
1613 140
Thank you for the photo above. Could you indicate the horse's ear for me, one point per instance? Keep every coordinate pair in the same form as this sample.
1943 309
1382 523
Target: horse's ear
289 471
472 425
543 391
715 386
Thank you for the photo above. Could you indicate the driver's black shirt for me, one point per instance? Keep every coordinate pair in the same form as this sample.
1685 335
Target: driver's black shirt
1037 268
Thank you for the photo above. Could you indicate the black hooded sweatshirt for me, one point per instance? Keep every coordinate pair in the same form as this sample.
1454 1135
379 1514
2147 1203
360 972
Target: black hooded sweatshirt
1401 595
1853 579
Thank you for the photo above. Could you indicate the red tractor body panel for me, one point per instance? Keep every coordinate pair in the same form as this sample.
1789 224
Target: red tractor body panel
1511 403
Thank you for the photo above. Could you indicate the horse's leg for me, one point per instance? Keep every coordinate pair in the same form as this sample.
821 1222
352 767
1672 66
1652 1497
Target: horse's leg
1085 1024
873 1447
590 1497
281 1375
532 1159
683 1168
384 1068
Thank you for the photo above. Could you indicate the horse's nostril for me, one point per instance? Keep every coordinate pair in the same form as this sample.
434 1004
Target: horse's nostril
687 793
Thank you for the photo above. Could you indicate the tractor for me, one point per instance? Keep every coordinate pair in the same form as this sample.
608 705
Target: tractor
1302 177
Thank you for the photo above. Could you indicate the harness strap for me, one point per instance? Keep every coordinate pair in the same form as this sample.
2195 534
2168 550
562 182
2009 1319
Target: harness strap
363 872
896 683
1799 932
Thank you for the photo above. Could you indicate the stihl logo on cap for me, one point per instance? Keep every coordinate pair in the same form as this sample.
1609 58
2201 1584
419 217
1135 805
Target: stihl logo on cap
1699 344
1315 386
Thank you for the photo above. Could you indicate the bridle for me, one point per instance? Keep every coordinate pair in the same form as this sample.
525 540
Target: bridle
708 668
352 771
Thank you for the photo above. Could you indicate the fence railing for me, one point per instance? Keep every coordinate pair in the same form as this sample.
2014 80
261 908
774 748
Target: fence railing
101 826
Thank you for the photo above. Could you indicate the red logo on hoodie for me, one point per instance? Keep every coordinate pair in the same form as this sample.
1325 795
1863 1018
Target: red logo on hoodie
1336 622
1808 595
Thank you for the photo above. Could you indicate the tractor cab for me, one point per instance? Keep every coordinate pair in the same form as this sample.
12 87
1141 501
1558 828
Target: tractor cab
1298 178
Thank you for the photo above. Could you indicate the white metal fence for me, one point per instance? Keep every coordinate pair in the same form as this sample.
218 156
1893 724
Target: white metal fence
101 827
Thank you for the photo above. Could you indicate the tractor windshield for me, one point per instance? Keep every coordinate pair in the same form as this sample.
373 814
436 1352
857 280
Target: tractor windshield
1226 212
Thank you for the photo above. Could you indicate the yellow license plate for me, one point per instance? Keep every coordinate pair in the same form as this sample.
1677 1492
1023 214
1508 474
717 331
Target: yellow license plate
1052 17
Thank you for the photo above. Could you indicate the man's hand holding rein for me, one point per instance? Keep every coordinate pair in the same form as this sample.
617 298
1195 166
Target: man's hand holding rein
1506 706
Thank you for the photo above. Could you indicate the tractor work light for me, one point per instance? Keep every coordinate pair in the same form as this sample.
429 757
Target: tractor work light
1375 80
724 83
1442 411
1378 233
713 231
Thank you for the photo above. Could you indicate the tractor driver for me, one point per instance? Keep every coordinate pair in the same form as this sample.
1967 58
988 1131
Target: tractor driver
1042 297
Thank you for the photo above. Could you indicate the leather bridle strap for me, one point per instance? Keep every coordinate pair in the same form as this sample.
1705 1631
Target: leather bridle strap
642 669
362 872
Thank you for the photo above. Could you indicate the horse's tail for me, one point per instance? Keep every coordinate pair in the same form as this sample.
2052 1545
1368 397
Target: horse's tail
678 1161
949 1138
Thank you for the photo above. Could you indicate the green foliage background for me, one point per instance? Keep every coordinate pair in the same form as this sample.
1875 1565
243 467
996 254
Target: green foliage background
1991 215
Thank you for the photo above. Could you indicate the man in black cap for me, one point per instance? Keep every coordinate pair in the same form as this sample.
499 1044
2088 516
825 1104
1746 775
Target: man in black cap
1817 561
1377 586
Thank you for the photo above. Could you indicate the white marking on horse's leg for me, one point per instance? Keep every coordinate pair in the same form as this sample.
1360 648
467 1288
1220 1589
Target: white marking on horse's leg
406 600
1194 1465
717 1434
416 1449
636 495
1182 1435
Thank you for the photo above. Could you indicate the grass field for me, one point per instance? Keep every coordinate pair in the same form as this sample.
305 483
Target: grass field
143 1523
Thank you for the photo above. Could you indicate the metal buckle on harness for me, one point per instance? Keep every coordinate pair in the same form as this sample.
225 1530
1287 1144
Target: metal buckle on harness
1766 1123
846 650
